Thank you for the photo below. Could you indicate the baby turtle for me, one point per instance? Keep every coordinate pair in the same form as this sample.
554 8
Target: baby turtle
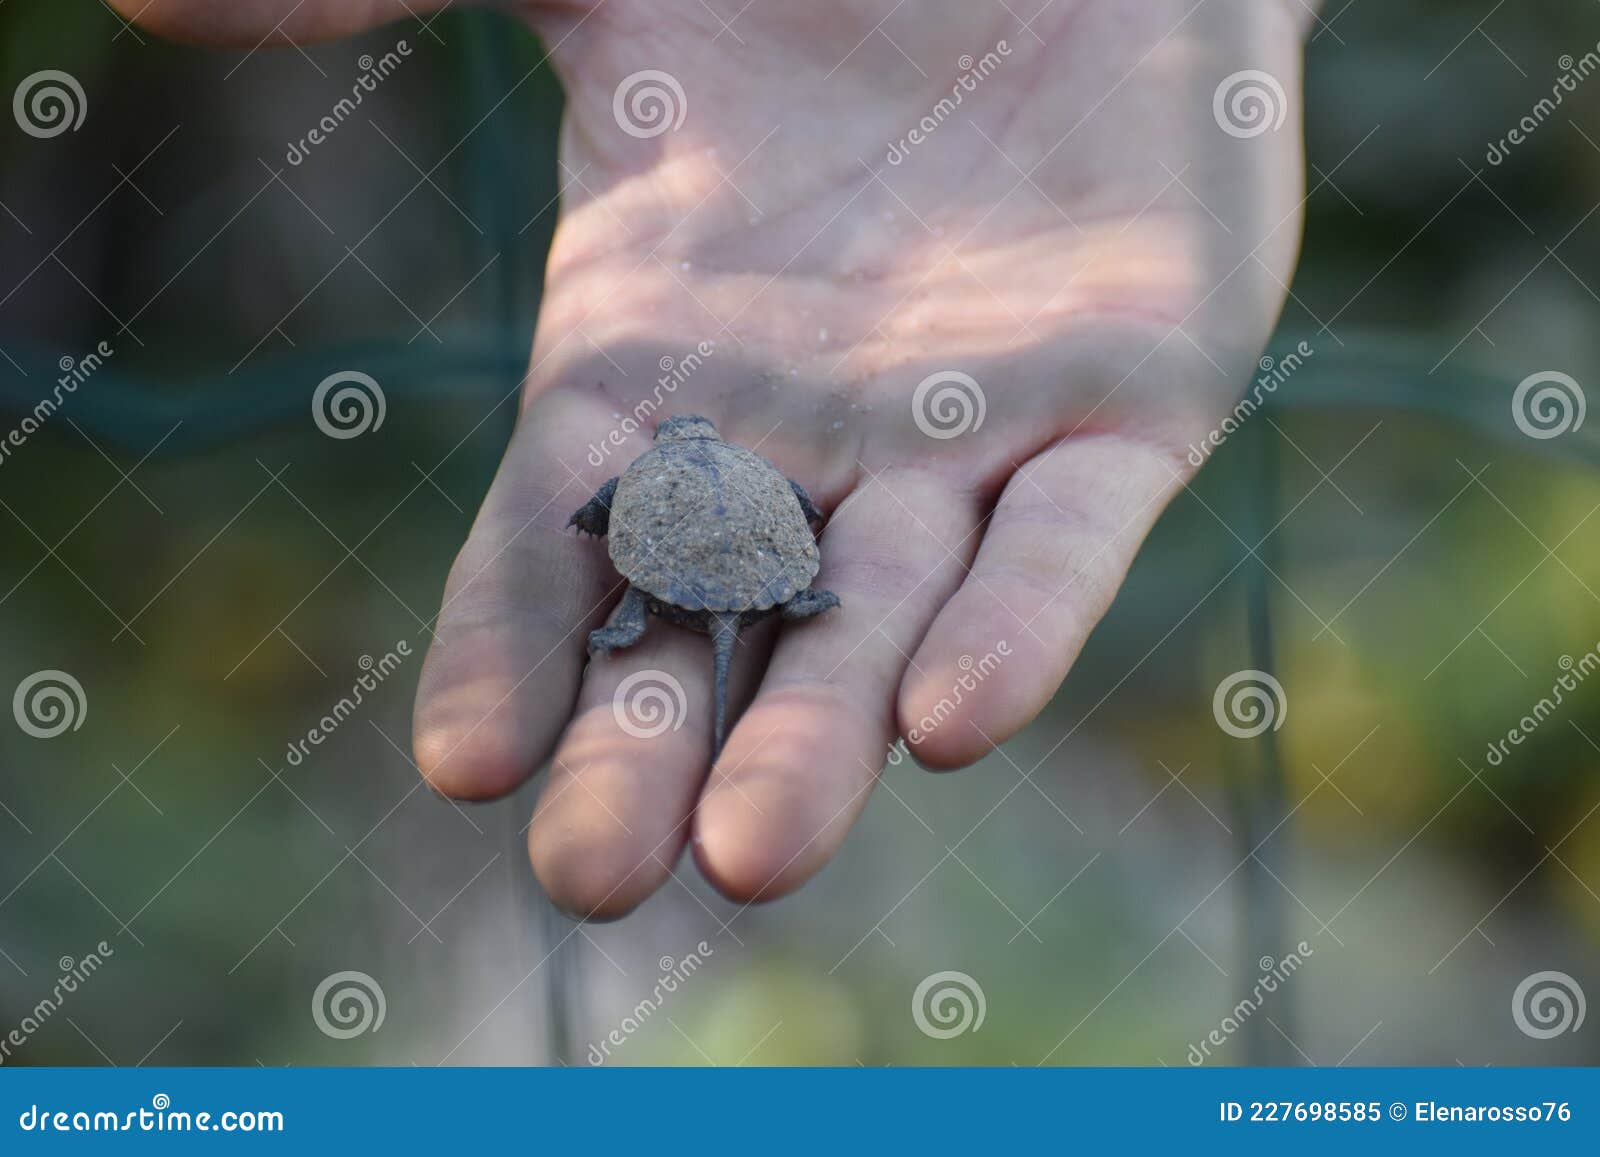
709 536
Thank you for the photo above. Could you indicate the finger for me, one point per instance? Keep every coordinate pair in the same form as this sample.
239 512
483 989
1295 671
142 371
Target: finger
502 672
1053 555
614 813
799 766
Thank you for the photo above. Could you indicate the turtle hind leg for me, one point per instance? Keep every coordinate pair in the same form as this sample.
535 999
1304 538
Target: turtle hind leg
807 604
594 516
724 634
627 624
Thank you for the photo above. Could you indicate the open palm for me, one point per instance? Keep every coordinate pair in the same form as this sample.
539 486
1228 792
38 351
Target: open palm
977 285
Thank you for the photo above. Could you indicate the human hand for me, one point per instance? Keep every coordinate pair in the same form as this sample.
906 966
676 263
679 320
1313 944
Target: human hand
1080 237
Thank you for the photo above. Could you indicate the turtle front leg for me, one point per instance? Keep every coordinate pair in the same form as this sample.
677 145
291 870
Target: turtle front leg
808 604
626 626
807 507
594 516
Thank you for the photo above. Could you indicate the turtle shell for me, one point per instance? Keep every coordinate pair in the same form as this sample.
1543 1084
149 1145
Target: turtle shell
709 526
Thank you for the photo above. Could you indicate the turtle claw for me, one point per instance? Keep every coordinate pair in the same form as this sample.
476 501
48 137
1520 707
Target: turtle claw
607 639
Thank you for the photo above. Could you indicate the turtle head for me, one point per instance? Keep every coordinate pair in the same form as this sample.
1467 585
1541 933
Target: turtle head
686 426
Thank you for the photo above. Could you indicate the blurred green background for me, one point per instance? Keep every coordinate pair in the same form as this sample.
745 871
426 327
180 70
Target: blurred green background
213 569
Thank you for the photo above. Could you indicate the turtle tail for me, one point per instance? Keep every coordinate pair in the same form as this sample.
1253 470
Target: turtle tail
724 634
